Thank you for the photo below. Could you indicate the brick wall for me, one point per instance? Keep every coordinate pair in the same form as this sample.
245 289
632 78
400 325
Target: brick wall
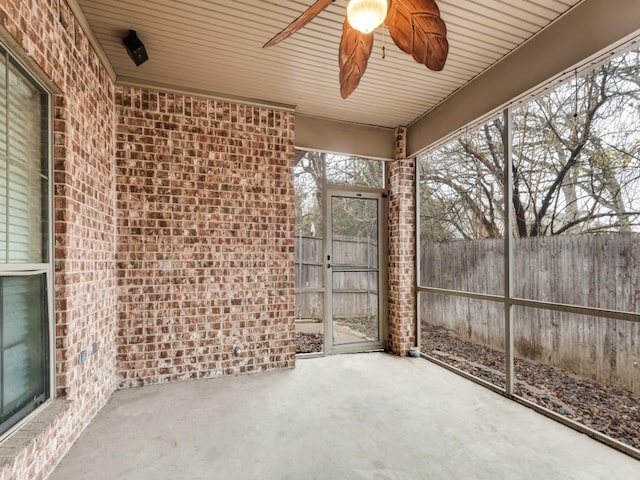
46 33
173 225
205 237
402 310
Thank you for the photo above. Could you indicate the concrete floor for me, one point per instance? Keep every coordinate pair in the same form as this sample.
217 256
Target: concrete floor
368 416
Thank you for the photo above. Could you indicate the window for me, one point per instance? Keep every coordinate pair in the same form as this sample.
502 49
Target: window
25 266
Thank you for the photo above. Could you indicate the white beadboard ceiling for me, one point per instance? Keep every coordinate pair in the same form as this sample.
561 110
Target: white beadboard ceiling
216 46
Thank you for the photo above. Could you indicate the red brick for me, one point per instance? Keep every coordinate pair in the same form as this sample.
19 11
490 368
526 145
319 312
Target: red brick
173 231
402 306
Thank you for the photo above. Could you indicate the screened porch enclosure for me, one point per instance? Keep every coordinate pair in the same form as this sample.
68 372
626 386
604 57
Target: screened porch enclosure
189 246
529 268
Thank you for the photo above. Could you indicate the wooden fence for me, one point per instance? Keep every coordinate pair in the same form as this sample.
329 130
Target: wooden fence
600 271
355 294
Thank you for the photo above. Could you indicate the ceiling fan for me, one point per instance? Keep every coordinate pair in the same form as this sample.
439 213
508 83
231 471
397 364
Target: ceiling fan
414 25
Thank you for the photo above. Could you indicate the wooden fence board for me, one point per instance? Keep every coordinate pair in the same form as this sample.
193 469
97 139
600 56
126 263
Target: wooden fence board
600 271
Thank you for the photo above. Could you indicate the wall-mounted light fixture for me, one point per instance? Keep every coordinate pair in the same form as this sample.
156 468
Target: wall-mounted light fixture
135 48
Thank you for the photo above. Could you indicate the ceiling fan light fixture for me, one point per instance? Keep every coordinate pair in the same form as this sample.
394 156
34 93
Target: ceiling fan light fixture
414 25
366 15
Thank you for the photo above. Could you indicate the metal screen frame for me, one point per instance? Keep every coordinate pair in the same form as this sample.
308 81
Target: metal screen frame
508 299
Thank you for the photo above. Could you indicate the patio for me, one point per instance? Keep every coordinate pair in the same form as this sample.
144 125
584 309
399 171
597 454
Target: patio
177 234
348 416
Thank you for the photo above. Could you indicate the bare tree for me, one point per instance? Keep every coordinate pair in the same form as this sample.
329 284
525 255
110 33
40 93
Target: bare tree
308 178
350 218
576 166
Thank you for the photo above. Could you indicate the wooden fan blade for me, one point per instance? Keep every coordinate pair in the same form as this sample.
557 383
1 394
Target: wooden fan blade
308 15
355 50
417 29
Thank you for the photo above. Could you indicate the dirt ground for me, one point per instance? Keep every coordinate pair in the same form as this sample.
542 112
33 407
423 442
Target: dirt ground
610 410
309 342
